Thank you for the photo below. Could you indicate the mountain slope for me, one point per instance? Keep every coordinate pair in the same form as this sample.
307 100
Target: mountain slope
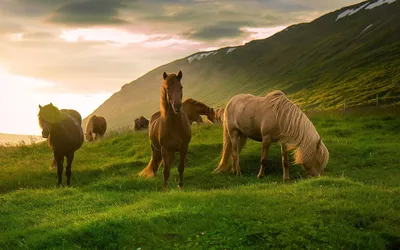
350 53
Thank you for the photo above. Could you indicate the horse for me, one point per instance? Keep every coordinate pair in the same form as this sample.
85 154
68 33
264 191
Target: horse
64 136
95 125
219 114
193 109
169 130
141 123
198 119
268 119
75 115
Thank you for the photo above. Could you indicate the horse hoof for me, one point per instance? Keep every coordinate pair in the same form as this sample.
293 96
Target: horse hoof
260 176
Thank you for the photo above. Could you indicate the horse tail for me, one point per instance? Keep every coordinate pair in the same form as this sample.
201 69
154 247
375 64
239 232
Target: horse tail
224 164
151 169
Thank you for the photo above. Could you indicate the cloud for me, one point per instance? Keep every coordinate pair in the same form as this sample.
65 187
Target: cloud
87 46
37 35
218 31
8 28
89 13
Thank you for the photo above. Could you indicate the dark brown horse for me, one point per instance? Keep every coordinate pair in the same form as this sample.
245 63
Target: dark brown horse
73 114
64 134
95 125
169 130
141 123
193 109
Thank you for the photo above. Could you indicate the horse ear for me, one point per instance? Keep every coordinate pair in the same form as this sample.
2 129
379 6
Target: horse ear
40 106
51 104
319 143
179 75
165 75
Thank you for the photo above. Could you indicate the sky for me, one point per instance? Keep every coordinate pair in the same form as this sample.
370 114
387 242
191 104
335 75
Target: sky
77 53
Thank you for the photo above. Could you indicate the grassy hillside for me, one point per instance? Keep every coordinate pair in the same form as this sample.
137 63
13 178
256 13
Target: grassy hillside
318 64
356 206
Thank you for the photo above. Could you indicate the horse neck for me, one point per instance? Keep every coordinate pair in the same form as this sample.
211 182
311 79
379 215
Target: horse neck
202 109
165 107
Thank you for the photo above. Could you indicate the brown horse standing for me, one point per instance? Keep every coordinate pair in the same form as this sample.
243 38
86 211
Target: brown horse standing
169 130
95 125
193 109
141 123
64 134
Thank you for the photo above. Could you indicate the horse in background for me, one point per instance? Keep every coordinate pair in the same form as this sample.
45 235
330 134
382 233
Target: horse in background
169 130
141 123
65 136
219 114
198 119
268 119
95 125
193 109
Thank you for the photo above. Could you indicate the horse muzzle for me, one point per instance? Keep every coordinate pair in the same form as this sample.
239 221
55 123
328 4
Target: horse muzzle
45 134
177 108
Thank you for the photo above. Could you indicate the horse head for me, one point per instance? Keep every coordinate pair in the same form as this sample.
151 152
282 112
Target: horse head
315 166
48 115
174 93
211 115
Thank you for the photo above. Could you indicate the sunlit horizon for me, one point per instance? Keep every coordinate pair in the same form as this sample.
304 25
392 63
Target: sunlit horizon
22 114
22 96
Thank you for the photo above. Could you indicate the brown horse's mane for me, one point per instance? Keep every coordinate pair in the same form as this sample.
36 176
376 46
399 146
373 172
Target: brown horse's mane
197 103
296 128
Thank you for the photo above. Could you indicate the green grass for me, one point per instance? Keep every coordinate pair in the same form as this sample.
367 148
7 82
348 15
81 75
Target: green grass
356 206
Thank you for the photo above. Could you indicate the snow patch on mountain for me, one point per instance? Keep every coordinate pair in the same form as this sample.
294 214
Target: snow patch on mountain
367 6
200 56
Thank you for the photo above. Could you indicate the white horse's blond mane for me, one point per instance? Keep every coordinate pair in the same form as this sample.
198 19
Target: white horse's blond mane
296 129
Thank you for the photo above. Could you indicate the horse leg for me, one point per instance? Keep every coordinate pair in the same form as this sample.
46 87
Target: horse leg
59 158
235 151
156 158
168 158
53 163
70 158
181 166
242 142
285 162
266 143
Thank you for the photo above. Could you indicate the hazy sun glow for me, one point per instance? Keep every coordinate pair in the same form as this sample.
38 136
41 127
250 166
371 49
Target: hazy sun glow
261 33
20 97
103 34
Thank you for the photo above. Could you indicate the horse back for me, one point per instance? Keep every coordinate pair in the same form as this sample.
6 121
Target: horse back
252 115
66 136
73 114
100 125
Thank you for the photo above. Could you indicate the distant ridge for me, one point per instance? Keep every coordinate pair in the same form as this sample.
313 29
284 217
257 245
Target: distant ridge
349 55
